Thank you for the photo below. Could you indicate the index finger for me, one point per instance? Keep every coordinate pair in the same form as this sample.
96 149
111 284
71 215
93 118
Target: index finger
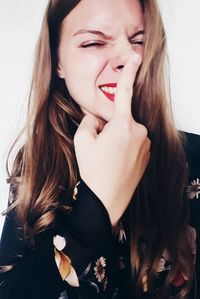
124 92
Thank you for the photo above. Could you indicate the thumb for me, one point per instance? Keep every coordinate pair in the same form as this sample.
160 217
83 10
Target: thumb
87 130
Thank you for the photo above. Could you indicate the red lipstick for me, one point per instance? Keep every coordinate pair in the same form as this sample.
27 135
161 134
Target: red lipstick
110 96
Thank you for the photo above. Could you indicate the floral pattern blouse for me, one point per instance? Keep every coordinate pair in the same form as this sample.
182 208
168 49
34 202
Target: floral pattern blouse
82 256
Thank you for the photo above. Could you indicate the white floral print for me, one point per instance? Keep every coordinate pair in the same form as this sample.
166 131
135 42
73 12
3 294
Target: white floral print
99 269
59 242
75 192
194 189
63 262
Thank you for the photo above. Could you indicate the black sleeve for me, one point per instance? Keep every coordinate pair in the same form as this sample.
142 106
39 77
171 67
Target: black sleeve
34 273
193 156
88 233
87 229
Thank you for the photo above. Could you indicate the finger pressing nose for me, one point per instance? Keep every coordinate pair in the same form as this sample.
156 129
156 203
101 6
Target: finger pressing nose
120 57
124 92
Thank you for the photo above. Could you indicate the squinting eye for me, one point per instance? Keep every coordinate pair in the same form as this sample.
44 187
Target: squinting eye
139 42
92 45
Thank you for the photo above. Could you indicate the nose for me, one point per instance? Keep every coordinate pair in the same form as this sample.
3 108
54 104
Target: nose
120 55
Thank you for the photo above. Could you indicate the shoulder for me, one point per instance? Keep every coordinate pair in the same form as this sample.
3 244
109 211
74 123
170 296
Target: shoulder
192 149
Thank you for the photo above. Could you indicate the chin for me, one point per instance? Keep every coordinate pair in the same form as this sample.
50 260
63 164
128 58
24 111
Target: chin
106 116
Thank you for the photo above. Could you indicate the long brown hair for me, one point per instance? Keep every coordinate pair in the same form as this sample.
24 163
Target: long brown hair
46 166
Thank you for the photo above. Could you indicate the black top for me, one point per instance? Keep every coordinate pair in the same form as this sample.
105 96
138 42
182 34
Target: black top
96 256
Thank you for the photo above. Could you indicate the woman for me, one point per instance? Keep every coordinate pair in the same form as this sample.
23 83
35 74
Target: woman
97 206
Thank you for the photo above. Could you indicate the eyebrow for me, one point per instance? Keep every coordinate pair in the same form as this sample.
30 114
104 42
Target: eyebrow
105 36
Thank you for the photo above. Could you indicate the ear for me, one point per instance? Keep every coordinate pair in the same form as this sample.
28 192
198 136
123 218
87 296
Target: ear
60 71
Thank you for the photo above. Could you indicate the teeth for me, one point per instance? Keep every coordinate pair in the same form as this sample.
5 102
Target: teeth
111 90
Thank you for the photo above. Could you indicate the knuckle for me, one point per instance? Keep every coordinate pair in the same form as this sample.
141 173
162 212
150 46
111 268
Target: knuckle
142 131
92 121
148 142
84 119
126 124
76 138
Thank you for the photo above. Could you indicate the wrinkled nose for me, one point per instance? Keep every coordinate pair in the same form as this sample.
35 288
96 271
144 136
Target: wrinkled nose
120 56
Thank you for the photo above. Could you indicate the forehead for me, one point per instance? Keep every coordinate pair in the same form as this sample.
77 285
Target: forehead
107 15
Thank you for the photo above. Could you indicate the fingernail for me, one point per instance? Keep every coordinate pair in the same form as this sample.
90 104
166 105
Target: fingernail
137 58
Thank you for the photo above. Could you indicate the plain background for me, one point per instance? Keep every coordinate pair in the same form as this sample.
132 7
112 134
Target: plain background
20 21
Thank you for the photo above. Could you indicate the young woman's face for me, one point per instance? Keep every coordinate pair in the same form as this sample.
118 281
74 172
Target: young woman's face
97 38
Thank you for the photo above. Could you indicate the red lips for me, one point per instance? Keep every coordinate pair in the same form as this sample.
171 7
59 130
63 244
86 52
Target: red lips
110 96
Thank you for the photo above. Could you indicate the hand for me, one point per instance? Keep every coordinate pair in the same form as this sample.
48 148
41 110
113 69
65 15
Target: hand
112 157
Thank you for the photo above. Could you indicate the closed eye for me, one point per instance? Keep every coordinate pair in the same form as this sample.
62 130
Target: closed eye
92 45
139 42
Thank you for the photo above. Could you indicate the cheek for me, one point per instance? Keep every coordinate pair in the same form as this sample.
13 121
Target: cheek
89 65
84 73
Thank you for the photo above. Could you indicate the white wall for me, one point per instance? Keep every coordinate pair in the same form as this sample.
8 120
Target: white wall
182 22
19 26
